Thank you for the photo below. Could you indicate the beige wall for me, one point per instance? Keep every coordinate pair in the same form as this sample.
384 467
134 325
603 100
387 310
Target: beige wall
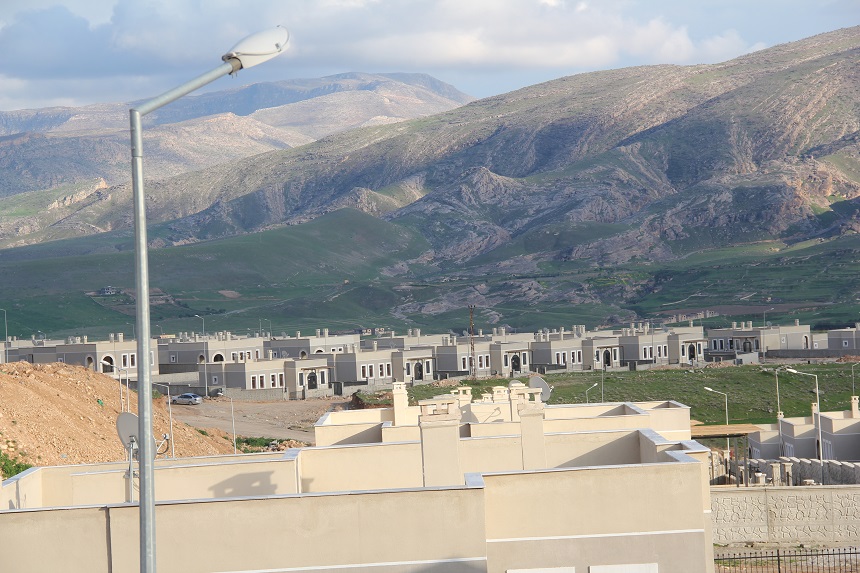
378 466
580 518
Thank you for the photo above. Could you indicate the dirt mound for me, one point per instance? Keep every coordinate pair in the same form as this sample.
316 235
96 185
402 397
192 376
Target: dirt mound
56 414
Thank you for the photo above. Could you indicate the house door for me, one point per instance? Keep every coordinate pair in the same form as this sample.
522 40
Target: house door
747 346
312 381
419 371
515 362
607 358
691 352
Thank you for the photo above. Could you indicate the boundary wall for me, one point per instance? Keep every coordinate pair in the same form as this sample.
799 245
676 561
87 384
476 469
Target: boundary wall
811 514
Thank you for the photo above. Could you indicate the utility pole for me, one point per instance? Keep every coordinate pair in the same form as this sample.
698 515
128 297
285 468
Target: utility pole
472 366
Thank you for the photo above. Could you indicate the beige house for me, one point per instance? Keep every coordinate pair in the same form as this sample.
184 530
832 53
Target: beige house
310 377
743 338
321 343
605 488
798 437
189 351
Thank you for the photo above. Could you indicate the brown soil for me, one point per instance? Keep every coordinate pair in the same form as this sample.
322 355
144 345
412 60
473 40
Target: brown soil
57 414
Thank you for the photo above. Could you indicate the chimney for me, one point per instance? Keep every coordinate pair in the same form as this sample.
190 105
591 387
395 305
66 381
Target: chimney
855 408
480 332
298 334
417 332
796 322
325 331
318 332
119 336
409 332
270 354
734 326
111 337
375 344
85 339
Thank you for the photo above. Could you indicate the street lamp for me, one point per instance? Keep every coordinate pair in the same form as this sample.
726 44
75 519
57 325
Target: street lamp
586 392
852 371
779 414
161 329
726 396
205 357
816 419
765 316
253 50
233 420
170 417
6 340
127 391
133 333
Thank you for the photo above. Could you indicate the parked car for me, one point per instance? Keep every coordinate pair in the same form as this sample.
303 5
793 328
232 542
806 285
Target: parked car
190 399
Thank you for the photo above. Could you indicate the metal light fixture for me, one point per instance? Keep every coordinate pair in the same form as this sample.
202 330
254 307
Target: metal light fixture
816 419
253 50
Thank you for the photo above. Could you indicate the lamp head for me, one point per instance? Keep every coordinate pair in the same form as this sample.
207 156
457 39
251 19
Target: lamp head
792 370
709 389
593 385
260 47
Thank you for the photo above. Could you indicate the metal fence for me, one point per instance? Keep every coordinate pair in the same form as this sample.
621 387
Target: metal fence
834 560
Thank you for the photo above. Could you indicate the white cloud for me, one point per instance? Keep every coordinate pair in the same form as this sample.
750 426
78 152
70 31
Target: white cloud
111 42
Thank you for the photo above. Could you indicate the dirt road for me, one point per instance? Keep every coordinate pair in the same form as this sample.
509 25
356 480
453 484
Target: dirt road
288 420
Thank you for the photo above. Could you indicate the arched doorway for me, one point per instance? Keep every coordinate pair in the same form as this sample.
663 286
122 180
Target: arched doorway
201 359
806 343
691 352
419 371
91 364
515 362
312 381
218 358
747 346
607 358
303 355
108 365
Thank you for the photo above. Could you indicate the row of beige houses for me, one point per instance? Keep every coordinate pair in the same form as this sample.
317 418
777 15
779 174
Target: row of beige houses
325 363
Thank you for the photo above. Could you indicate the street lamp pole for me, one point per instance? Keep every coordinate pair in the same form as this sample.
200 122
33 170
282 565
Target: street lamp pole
205 357
251 51
779 414
127 390
233 420
169 416
6 341
586 392
852 376
726 396
817 418
764 318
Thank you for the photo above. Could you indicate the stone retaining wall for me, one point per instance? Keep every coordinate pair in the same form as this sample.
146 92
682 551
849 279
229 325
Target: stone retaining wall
812 514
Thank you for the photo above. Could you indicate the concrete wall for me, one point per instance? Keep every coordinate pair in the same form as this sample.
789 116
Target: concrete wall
370 530
816 514
579 518
361 467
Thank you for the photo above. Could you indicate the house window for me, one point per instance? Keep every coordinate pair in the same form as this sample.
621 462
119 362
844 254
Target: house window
731 343
579 356
844 344
234 357
370 370
428 367
381 370
756 344
388 369
253 381
597 356
281 379
131 358
714 344
666 350
364 371
272 378
464 363
557 358
408 369
333 350
125 360
615 354
659 353
173 358
645 352
525 357
301 378
506 360
480 361
322 377
722 343
257 354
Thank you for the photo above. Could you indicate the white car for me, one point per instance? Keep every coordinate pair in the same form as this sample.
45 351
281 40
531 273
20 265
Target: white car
190 399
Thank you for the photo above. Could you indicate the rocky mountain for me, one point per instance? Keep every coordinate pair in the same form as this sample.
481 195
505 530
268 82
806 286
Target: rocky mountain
681 157
44 148
582 190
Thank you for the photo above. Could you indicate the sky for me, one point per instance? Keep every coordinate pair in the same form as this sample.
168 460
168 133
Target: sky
79 52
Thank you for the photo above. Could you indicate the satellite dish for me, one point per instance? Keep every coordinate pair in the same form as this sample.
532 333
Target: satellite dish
545 389
126 428
769 323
